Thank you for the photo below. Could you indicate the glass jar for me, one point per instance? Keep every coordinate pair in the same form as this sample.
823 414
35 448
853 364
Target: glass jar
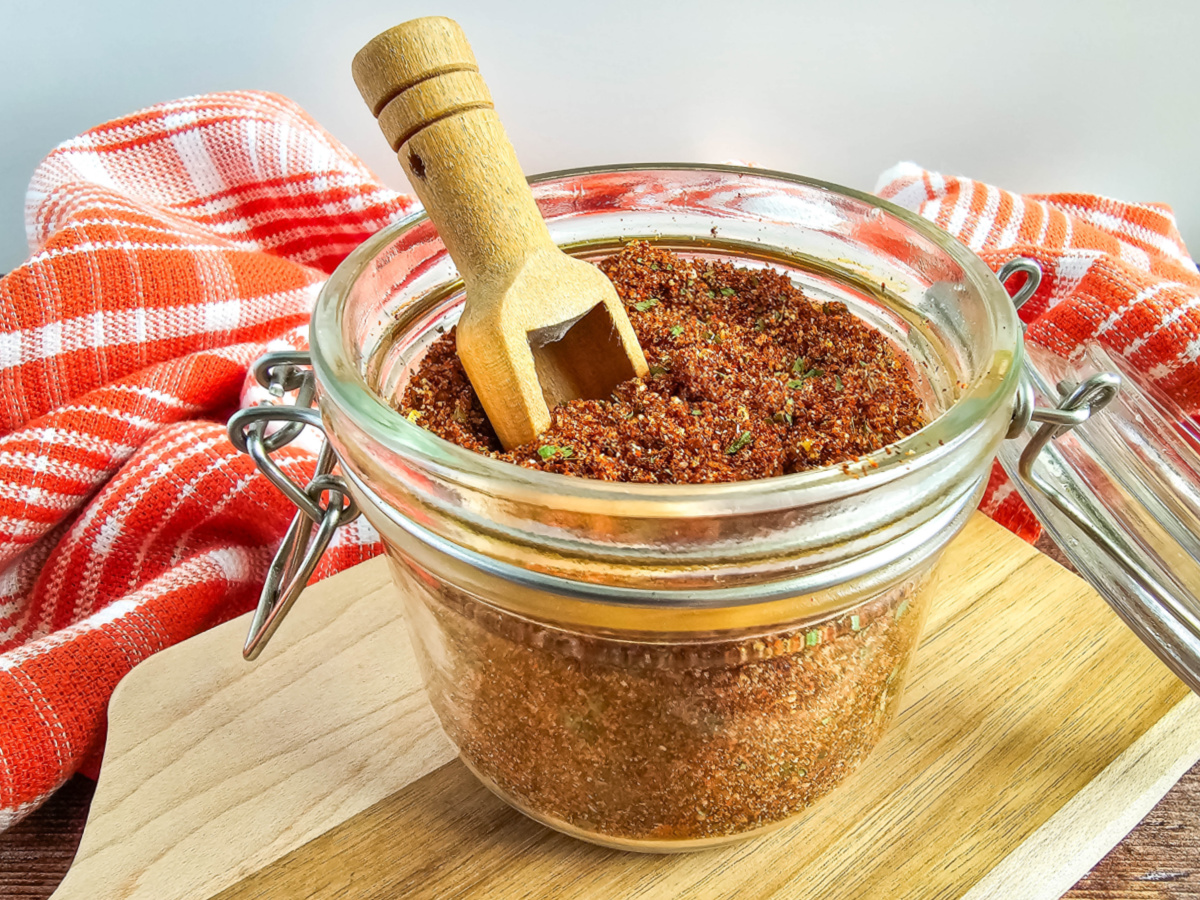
668 667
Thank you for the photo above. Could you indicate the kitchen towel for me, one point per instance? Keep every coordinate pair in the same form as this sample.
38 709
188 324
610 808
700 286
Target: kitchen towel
173 246
1113 272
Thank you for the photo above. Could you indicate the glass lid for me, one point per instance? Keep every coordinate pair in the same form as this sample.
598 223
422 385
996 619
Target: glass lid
1114 476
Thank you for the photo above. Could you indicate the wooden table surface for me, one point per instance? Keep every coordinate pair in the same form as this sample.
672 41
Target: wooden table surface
1158 860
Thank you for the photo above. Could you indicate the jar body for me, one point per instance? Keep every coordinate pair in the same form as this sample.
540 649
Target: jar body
664 667
675 742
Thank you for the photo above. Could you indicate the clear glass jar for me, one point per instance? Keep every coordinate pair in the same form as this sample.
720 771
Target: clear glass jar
668 667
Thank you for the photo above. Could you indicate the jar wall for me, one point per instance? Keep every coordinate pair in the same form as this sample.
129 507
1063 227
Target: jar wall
666 667
676 742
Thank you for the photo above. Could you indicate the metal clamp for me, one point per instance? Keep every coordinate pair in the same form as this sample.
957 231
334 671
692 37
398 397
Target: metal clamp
317 518
1078 404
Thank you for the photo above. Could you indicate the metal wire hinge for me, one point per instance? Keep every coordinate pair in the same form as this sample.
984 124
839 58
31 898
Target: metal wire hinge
1079 401
324 504
1077 404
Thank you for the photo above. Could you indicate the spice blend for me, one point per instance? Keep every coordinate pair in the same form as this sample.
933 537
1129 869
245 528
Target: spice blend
748 379
695 739
692 737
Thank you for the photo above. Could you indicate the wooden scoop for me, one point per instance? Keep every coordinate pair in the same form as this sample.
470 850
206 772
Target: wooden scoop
539 327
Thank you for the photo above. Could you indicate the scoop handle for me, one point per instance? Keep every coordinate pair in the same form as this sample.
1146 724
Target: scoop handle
422 83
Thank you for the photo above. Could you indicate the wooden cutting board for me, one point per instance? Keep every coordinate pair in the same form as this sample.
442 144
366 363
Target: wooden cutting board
1035 732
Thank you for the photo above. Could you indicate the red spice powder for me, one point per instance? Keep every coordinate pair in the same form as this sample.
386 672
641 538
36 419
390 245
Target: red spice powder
670 741
748 379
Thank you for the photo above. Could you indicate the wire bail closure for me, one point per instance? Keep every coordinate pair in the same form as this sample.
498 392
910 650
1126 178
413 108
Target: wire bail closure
1076 407
317 519
1078 403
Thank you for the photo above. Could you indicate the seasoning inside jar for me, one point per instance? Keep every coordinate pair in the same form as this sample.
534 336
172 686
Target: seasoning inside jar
748 379
665 743
680 739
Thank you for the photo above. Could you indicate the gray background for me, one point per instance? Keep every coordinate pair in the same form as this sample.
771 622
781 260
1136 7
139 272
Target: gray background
1034 96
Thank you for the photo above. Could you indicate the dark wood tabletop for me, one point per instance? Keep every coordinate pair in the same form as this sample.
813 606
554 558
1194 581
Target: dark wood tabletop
1158 860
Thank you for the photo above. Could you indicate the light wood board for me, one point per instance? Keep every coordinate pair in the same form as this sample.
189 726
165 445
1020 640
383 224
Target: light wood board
214 766
1035 731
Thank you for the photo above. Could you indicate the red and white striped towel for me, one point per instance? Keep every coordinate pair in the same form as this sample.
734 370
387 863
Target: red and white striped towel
170 249
174 246
1117 273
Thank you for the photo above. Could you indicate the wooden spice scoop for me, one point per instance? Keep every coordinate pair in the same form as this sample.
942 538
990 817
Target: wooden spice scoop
539 327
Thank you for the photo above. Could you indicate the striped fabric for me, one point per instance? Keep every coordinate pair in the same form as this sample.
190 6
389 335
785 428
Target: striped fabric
1116 273
172 247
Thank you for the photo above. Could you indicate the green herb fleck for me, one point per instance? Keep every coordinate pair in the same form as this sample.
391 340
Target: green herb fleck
581 724
901 609
549 451
789 770
855 624
697 412
727 292
646 304
837 383
676 330
658 370
803 373
743 440
813 637
800 367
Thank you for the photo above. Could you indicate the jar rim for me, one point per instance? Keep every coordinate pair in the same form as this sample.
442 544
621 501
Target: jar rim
341 381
